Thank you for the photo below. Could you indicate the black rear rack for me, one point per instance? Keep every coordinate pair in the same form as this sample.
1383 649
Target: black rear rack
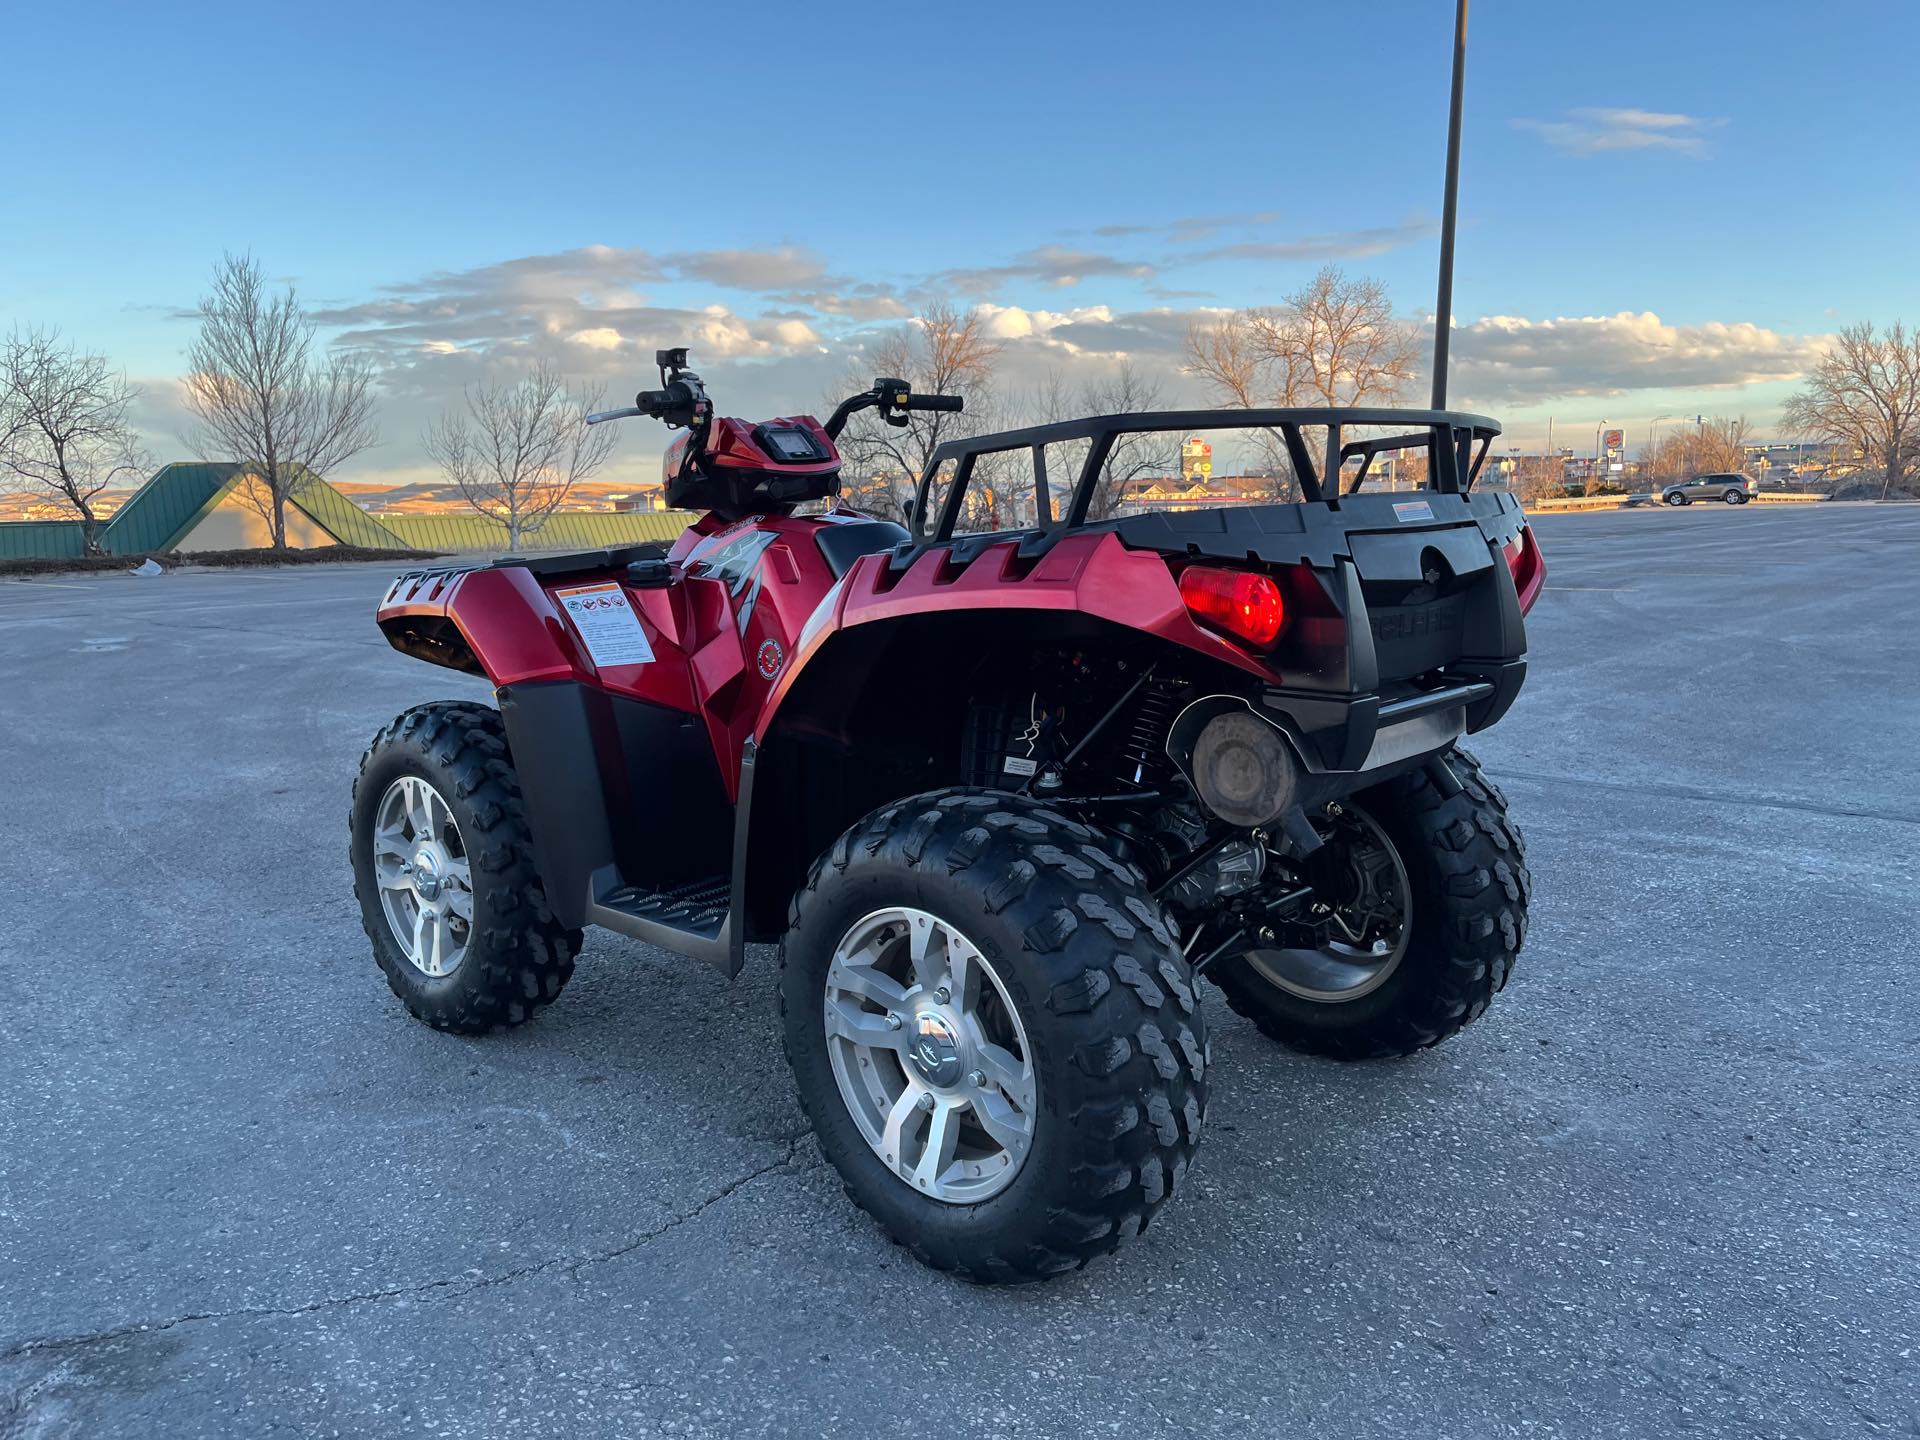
1456 444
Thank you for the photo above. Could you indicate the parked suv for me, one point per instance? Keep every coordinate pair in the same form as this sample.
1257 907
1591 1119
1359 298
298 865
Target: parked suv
1728 488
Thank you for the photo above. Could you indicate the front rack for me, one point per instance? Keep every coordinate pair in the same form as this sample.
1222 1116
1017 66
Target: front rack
1456 444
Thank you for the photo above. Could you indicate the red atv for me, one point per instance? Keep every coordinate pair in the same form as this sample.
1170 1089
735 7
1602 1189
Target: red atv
1001 798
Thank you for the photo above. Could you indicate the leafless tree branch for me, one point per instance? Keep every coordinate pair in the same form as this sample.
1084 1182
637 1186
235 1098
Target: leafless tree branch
520 447
1335 341
1865 394
944 352
64 424
262 398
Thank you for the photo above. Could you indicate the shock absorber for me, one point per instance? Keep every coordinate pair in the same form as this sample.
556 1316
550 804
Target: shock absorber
1147 737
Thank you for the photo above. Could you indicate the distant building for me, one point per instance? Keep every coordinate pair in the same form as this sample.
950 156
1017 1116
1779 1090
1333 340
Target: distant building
1196 459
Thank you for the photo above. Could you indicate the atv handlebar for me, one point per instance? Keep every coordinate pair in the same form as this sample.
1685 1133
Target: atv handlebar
683 400
678 404
893 398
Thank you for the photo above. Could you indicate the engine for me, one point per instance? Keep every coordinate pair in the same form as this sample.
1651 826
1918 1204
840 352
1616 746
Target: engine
1090 731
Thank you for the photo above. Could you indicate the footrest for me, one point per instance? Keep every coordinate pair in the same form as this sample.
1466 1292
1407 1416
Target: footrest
694 918
698 907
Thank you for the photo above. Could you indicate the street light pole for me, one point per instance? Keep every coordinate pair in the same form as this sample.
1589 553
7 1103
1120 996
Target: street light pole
1449 212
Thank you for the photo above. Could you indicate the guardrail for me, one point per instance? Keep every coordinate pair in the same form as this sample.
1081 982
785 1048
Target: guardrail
1586 502
1621 502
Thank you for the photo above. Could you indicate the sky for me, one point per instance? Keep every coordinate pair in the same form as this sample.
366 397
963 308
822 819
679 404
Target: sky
1664 208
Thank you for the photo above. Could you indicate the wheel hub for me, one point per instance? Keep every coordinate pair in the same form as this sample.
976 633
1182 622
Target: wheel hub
936 1053
428 874
1365 902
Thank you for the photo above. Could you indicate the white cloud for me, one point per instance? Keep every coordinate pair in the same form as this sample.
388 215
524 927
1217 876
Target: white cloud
599 337
1513 359
1055 265
779 269
596 312
793 333
1594 130
1332 245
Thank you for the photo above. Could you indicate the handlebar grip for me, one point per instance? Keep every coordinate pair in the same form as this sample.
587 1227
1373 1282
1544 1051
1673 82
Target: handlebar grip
936 402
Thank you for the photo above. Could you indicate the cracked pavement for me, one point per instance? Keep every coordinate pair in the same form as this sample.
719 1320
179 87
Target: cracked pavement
1667 1186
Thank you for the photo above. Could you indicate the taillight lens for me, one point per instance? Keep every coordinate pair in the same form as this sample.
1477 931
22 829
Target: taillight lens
1241 603
1529 567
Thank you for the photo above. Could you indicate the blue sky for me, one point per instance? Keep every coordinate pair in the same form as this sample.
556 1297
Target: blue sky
460 188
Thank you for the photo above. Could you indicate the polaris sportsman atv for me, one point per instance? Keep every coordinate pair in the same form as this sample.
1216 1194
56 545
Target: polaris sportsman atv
1001 798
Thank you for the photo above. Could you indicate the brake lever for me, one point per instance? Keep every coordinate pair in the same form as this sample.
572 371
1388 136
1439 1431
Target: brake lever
627 413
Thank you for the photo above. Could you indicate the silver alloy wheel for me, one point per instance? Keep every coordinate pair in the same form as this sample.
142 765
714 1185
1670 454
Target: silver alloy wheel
930 1055
426 884
1370 923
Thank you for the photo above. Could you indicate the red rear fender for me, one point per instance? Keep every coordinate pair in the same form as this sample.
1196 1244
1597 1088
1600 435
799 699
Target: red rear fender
497 623
1088 574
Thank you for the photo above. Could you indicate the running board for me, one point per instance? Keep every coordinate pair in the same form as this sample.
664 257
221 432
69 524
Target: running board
692 919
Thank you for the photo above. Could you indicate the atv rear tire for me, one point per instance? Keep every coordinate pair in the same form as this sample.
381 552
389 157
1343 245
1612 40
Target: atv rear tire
1467 872
1116 1046
515 956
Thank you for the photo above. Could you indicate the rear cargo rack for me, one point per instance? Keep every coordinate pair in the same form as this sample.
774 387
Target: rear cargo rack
1455 442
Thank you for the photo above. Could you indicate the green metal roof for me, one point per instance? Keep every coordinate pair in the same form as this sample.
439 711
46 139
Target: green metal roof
163 512
42 540
564 530
344 520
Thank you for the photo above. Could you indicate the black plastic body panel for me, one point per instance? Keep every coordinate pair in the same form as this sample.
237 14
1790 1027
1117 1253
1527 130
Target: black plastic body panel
1424 593
551 730
1318 534
610 781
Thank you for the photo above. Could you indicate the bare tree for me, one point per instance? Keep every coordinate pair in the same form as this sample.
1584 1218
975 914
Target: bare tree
520 448
263 398
1335 341
1712 447
1865 392
1124 391
1539 477
943 352
64 424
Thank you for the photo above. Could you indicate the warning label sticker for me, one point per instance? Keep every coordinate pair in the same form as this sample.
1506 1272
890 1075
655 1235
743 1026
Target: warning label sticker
606 624
1412 510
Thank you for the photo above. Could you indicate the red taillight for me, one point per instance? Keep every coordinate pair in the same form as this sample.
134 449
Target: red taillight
1244 605
1529 567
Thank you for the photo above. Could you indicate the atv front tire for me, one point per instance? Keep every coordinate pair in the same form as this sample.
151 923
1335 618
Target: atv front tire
1079 994
443 869
1466 871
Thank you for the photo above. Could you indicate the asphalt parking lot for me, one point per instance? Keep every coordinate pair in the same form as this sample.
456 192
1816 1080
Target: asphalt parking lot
1669 1185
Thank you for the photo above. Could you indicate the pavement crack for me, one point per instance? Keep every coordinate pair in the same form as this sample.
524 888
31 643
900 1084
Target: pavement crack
450 1288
